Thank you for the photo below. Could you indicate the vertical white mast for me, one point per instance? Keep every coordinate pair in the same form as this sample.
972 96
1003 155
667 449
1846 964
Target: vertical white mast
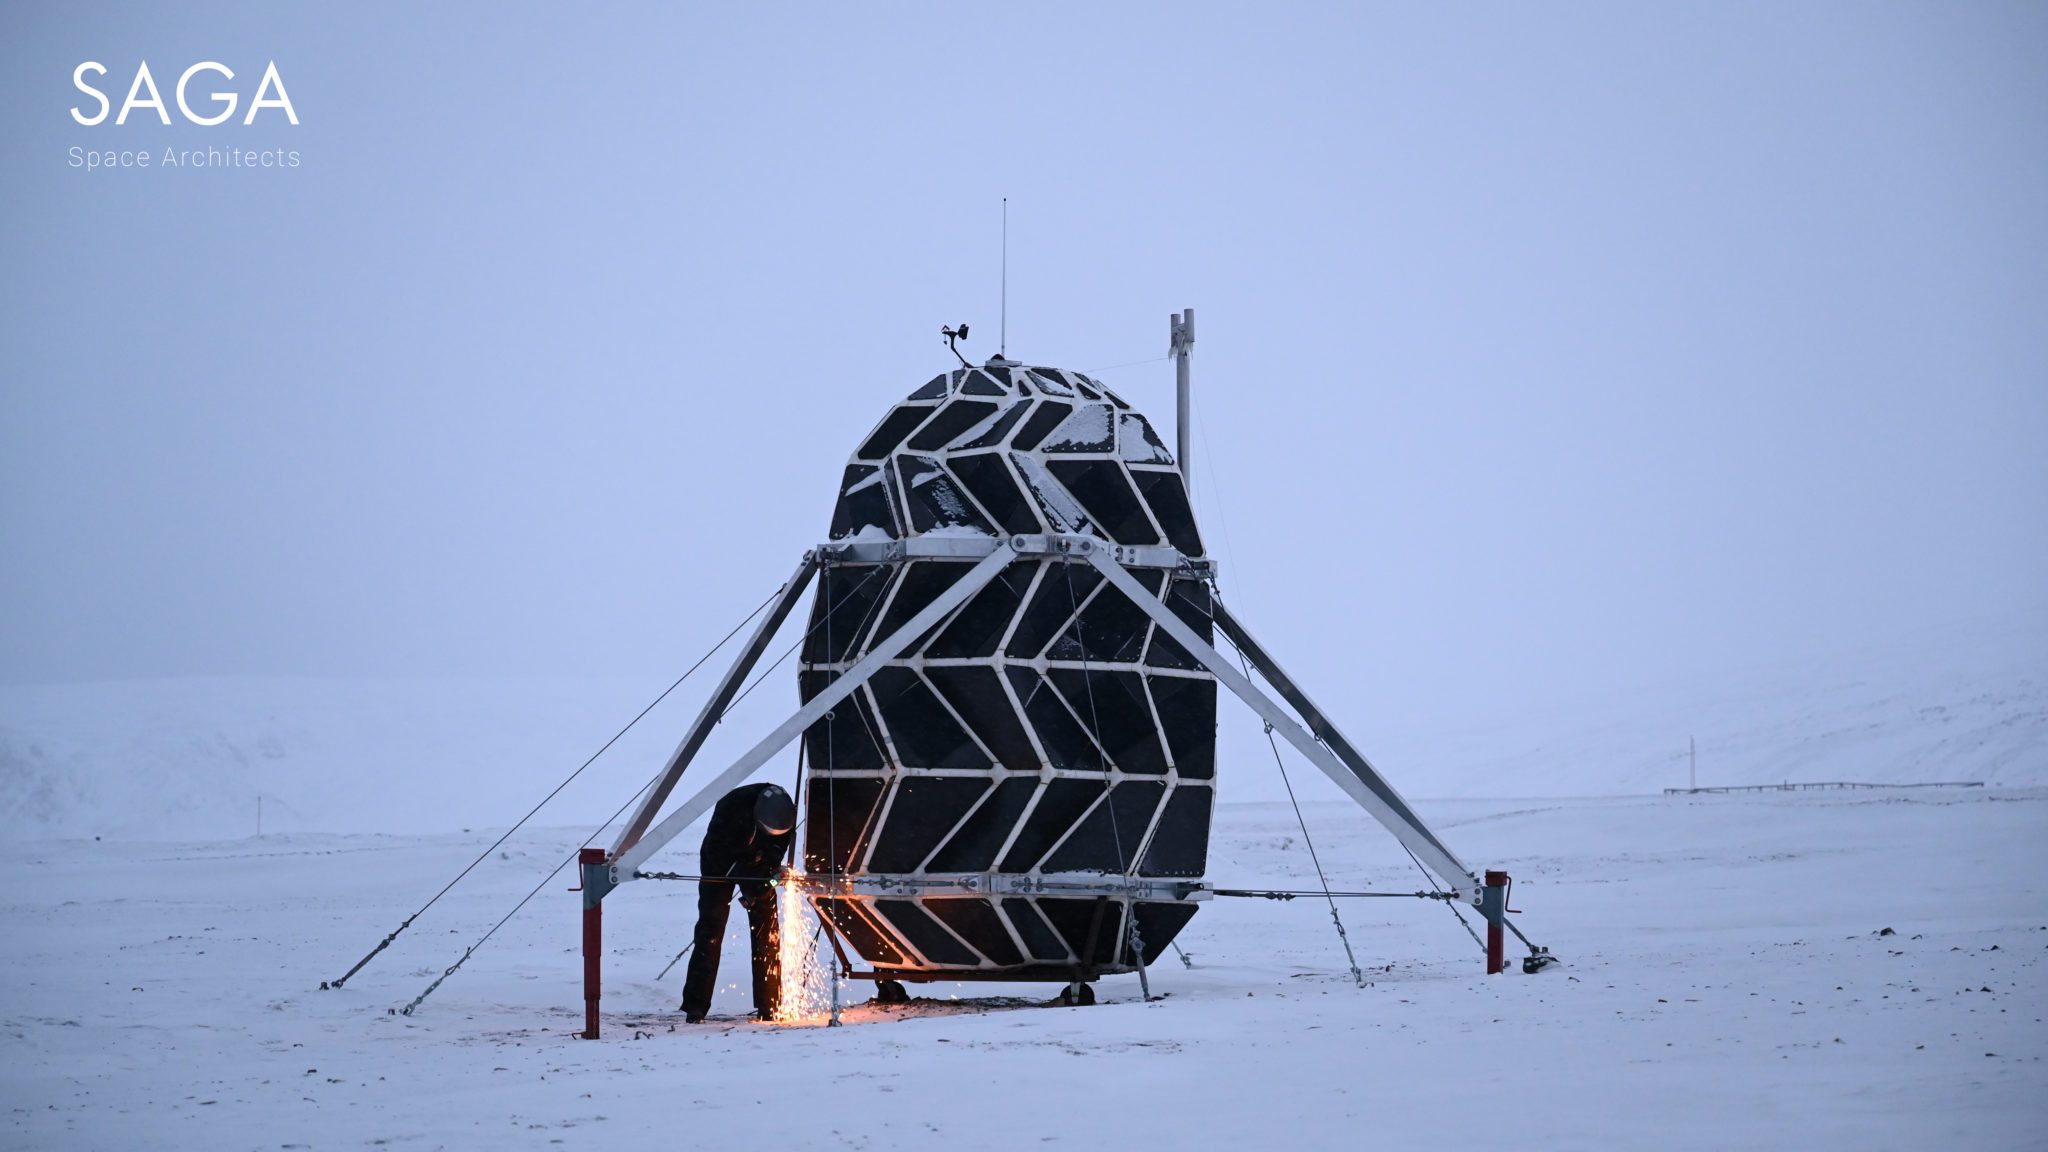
1182 329
1003 333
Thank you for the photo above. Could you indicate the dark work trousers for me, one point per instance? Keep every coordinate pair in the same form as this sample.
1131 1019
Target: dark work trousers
714 903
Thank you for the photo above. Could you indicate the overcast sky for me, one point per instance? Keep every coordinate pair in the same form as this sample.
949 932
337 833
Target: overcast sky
1539 346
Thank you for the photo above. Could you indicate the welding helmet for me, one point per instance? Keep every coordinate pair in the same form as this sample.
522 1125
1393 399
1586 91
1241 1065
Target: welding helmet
774 811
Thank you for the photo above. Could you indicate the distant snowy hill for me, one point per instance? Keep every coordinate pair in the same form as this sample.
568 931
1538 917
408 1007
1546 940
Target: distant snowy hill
1879 725
188 758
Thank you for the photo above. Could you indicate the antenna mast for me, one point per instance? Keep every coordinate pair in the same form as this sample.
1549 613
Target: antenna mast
1182 329
1003 333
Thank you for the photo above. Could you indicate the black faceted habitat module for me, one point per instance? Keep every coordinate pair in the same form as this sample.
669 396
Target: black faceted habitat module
1046 727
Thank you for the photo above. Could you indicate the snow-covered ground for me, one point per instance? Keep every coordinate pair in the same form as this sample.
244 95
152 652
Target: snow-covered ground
1730 984
1729 980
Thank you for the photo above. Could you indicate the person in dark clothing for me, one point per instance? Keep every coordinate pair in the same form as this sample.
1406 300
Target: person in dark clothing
750 831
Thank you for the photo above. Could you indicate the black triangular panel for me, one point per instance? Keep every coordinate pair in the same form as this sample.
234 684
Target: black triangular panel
923 812
1108 839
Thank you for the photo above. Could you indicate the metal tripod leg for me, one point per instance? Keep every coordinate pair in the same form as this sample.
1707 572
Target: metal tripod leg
881 653
1321 726
721 699
1357 778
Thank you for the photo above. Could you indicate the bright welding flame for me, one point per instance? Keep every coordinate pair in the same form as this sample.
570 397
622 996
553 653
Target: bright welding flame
806 984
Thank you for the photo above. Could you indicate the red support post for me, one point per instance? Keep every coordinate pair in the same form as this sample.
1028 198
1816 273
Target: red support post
1494 902
593 940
